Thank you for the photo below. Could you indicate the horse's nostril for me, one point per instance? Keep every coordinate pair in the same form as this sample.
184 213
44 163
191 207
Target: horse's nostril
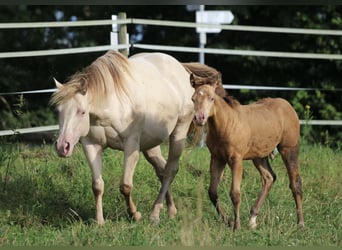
67 146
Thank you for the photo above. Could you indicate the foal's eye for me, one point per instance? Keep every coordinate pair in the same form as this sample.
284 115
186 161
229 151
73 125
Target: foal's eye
211 99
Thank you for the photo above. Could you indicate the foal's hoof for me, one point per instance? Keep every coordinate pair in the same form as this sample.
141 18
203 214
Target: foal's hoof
230 223
252 225
155 219
172 211
137 216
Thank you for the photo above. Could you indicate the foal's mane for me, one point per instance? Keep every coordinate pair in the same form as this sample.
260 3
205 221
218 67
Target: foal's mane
99 79
231 101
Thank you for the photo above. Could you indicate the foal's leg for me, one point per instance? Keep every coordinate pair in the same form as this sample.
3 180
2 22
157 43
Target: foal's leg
235 196
155 158
131 156
94 156
267 178
290 158
216 173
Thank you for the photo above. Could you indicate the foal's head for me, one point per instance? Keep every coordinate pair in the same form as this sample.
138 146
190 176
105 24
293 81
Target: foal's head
203 99
214 80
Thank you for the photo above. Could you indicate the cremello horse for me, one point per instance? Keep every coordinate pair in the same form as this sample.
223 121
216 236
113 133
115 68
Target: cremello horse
131 105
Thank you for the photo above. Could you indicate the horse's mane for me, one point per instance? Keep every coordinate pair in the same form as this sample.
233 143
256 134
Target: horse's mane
98 79
231 101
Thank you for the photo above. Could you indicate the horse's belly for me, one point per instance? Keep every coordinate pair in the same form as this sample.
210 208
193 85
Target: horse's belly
154 135
261 148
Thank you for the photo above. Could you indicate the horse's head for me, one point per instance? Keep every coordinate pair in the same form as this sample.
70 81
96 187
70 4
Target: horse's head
203 99
73 115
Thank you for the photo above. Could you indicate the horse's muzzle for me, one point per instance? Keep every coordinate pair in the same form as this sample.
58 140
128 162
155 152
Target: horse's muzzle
63 149
200 118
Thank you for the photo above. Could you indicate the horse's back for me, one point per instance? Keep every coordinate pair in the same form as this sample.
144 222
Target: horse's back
164 92
281 116
164 77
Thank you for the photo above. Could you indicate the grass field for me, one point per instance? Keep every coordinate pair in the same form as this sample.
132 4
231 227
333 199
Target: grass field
48 201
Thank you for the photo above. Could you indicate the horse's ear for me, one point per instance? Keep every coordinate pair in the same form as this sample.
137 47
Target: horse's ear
83 87
215 80
57 83
192 80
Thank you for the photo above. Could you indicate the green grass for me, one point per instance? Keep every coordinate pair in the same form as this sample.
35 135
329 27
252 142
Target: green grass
48 201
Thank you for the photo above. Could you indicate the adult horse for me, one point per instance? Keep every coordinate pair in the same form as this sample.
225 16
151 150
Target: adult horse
248 132
130 105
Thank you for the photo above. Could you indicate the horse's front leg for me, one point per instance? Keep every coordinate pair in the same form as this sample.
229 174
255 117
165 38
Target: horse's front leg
235 196
93 154
131 156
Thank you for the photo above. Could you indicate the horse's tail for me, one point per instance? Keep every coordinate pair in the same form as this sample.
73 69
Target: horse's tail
200 69
201 74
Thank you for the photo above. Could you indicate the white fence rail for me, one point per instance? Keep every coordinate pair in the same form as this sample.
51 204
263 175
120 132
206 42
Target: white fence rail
168 48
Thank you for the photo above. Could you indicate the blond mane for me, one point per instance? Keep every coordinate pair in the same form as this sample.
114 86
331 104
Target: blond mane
99 79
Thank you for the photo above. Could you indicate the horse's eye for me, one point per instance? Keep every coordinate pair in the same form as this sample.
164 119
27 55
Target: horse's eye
81 112
211 99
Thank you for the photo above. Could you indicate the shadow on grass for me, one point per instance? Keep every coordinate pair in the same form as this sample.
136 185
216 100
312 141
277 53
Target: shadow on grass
24 203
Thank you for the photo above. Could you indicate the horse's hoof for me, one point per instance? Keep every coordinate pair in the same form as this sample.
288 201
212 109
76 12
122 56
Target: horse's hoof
252 222
252 225
155 219
301 225
137 216
100 222
230 223
172 211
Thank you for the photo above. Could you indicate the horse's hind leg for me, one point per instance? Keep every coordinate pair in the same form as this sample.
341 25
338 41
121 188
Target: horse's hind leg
155 158
267 178
176 145
216 173
290 158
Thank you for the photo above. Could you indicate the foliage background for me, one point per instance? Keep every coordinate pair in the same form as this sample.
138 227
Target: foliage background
20 74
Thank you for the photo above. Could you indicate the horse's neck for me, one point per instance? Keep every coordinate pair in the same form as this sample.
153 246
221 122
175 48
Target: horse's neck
224 118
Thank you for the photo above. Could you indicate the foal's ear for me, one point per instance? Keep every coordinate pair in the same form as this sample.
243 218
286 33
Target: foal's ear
215 80
57 83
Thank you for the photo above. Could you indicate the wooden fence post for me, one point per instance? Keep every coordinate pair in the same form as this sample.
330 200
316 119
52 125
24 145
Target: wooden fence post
123 33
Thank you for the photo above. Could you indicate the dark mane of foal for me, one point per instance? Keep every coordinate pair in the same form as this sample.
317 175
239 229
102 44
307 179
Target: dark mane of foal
98 79
231 101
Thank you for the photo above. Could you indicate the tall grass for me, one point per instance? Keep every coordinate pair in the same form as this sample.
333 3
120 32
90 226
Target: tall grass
47 201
